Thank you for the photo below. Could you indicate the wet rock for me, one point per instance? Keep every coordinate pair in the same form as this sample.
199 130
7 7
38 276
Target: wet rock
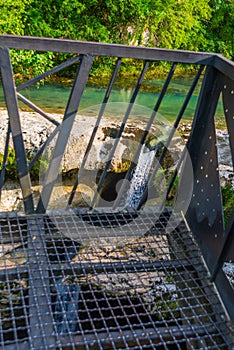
36 130
228 269
226 175
224 152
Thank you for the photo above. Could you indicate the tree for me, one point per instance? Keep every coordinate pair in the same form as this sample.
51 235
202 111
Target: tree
177 24
220 31
13 16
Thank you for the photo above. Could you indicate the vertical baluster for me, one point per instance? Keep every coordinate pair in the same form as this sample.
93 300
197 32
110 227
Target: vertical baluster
3 170
129 109
175 126
149 124
100 115
64 132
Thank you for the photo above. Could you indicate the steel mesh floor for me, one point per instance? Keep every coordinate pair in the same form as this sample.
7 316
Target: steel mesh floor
105 281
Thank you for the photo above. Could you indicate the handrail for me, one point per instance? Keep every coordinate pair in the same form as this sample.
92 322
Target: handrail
104 49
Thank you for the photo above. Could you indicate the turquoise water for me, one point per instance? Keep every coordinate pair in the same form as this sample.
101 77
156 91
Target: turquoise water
52 98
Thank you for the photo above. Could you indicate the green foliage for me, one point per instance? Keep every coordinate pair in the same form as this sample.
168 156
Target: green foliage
177 24
165 307
173 192
39 167
228 201
13 15
220 32
11 166
28 63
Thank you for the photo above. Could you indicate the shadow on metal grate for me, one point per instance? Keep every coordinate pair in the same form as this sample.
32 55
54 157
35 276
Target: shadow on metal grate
105 292
138 262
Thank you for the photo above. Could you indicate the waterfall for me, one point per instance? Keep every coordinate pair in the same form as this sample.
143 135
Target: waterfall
140 177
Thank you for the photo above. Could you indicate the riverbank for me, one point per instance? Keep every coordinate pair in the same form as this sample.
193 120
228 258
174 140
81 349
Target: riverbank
36 130
52 97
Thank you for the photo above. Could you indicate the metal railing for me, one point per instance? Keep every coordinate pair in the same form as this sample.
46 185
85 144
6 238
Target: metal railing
204 211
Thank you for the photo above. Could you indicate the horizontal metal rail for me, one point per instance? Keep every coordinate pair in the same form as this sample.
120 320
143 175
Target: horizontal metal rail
113 50
103 49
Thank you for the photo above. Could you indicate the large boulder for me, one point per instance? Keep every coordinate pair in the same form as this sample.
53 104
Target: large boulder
36 130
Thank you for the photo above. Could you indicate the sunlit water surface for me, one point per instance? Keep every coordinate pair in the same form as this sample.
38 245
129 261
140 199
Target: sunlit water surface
52 98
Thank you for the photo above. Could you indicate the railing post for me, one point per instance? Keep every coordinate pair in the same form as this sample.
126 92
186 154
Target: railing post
15 126
205 212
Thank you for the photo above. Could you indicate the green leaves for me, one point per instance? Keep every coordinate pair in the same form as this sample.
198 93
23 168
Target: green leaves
11 165
220 32
178 24
29 63
13 14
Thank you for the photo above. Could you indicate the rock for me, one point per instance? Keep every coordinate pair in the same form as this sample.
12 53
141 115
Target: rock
226 175
228 269
36 129
224 153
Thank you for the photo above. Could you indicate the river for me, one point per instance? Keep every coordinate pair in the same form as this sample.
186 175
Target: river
52 98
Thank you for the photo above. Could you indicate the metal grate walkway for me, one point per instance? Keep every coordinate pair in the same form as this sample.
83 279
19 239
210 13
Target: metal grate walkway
110 292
